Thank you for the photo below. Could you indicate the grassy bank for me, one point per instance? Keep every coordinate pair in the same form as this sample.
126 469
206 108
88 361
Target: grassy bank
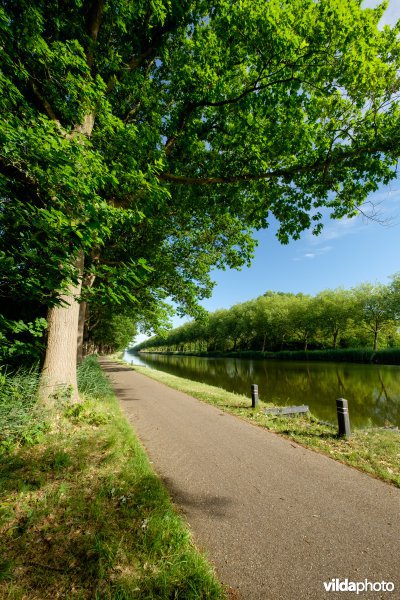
375 452
82 515
388 356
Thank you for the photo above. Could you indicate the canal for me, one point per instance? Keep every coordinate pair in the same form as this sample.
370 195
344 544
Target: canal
373 391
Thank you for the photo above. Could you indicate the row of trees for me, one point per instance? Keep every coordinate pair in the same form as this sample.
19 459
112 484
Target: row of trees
23 341
365 316
142 143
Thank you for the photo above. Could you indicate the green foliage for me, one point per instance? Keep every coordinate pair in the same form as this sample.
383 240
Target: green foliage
157 138
21 341
387 356
341 324
85 412
110 330
21 422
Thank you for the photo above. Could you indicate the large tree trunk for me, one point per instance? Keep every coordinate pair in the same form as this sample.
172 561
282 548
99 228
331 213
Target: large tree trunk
59 370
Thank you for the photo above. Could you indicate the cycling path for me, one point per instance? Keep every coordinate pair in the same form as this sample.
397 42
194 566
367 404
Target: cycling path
275 519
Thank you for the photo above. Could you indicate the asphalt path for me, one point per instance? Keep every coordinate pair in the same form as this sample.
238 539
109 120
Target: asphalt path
276 520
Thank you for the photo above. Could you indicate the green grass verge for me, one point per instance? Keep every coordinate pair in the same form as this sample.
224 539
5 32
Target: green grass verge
82 514
375 452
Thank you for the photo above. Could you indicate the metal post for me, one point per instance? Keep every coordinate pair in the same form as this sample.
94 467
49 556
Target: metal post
254 395
343 417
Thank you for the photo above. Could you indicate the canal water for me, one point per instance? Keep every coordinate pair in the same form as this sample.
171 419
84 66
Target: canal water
373 391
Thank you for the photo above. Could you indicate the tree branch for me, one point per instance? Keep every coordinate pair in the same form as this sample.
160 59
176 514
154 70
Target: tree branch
93 27
285 173
186 112
46 106
191 107
137 61
17 173
149 50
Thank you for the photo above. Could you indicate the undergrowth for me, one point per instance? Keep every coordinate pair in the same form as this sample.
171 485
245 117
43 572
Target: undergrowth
82 515
20 418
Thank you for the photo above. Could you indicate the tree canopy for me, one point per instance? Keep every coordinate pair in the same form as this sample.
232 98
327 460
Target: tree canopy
366 316
154 137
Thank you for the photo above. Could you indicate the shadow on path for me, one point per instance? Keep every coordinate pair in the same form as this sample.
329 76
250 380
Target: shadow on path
207 503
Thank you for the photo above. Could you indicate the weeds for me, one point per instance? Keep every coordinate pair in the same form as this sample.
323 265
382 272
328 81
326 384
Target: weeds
20 418
91 379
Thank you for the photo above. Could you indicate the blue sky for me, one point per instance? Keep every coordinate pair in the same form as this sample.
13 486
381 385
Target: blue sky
346 253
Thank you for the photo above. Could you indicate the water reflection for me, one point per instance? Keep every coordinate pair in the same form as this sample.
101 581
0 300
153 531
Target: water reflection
373 391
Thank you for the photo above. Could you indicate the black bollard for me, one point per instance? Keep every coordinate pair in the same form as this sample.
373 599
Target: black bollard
254 395
343 417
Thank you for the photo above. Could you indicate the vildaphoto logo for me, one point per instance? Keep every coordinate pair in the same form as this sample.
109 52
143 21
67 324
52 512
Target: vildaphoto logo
345 585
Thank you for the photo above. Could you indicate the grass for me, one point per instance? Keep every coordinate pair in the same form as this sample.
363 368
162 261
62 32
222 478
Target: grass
20 419
82 514
375 452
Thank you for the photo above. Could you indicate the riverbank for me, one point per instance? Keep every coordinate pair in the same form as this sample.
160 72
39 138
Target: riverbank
83 515
375 452
388 356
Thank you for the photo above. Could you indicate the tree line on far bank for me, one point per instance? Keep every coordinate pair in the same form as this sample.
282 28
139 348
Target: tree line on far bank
366 316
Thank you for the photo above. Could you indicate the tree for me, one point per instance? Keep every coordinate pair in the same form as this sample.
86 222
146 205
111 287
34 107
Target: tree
374 309
303 317
181 126
394 296
111 332
336 310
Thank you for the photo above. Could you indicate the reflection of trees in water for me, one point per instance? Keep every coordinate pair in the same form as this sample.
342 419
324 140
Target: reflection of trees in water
373 392
387 400
341 386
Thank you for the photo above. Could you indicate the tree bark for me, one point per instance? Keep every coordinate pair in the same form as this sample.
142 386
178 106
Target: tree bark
87 283
335 336
59 370
375 339
81 331
264 342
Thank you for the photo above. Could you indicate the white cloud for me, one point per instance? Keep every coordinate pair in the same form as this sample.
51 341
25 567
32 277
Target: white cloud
334 229
316 252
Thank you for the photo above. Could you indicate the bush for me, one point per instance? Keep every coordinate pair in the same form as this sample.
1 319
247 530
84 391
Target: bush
389 356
